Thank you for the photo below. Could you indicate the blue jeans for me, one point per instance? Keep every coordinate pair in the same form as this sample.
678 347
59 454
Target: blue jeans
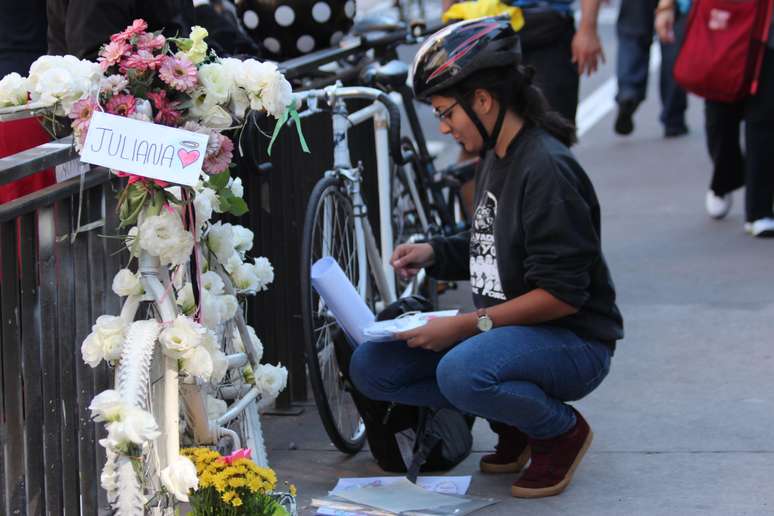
518 375
635 34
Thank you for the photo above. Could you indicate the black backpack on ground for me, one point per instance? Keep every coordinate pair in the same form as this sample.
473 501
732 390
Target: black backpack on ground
404 438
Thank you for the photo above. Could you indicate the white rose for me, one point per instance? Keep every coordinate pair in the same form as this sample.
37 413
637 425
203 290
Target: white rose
236 187
257 344
198 362
271 380
221 240
217 81
164 236
91 350
245 278
185 299
136 426
181 338
264 272
276 95
228 306
219 361
240 101
127 283
13 90
108 333
243 239
232 263
212 282
215 117
107 406
180 477
205 202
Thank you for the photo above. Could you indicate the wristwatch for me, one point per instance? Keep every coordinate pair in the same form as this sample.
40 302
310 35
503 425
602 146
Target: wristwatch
485 322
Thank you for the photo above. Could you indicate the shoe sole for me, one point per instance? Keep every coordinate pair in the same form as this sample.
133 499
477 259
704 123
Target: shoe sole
511 467
523 492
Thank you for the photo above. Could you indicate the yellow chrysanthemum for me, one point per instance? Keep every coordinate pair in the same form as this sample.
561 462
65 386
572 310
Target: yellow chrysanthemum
236 502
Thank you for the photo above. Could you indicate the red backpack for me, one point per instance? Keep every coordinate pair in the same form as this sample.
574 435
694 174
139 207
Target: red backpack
723 48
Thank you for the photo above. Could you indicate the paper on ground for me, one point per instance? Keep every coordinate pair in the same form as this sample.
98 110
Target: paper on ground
398 496
346 305
446 485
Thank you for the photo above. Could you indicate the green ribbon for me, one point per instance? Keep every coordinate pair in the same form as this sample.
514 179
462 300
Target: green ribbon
290 112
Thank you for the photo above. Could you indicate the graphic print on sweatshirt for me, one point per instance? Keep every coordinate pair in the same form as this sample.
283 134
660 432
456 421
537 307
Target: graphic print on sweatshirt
484 277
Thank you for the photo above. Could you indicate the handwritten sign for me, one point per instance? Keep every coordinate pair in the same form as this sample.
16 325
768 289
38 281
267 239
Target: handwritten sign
145 149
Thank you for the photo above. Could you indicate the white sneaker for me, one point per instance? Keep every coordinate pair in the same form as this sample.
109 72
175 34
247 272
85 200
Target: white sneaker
761 228
718 207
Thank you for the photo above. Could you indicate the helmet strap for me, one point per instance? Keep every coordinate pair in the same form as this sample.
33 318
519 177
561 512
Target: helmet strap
489 140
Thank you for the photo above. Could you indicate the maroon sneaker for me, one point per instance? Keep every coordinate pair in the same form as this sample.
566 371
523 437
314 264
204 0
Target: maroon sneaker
511 452
553 462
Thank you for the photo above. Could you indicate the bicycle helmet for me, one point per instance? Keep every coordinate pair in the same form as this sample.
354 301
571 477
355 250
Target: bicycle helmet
458 51
290 28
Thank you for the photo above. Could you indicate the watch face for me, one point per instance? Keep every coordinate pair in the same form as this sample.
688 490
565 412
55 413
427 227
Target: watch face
484 323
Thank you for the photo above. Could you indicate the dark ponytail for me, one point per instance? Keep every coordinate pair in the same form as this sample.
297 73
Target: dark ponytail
514 85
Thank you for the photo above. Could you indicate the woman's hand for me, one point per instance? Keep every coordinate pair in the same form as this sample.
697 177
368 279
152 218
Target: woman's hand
441 333
665 25
408 259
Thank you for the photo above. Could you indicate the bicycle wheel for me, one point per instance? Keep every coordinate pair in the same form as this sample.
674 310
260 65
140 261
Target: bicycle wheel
329 230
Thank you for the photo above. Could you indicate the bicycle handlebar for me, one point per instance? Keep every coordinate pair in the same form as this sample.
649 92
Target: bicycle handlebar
336 91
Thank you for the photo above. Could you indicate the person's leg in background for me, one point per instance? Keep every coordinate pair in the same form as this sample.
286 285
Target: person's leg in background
722 123
674 100
759 142
634 29
555 73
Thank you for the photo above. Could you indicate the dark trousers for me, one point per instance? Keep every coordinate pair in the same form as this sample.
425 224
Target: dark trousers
555 73
634 28
732 169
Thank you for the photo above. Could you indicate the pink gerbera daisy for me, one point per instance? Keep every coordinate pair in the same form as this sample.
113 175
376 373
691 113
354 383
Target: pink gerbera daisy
178 72
166 110
150 41
112 53
135 29
219 161
81 112
141 61
121 105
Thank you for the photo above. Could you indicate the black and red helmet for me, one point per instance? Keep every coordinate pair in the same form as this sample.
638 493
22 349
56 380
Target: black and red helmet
459 50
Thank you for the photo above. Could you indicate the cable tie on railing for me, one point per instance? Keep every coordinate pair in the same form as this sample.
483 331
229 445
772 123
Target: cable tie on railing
78 229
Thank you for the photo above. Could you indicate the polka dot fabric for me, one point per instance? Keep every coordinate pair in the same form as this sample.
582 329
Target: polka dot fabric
290 28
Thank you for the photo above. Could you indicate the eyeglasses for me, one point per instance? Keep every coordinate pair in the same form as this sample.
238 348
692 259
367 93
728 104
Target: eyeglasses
444 115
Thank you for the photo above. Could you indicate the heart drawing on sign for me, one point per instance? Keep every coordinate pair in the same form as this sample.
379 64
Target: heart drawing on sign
187 157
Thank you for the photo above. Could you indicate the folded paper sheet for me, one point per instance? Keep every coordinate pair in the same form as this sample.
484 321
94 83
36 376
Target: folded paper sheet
397 497
346 305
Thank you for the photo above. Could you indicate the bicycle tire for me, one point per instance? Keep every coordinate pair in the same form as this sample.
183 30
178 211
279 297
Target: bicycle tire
347 432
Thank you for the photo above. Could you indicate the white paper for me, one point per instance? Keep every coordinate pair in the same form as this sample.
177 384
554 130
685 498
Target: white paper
70 169
341 298
386 330
398 496
447 485
145 149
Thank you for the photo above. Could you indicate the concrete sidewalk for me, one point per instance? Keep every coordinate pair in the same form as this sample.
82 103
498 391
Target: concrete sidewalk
684 423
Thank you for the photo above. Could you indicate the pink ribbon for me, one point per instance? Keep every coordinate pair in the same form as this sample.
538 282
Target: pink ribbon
243 453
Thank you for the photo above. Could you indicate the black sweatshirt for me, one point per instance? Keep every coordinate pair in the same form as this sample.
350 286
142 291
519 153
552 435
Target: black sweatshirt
536 225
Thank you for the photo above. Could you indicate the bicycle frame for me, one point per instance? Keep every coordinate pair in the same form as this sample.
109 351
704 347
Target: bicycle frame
367 250
205 431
